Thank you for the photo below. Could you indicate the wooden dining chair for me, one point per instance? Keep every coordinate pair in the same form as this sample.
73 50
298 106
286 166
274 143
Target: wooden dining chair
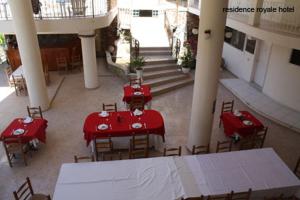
14 146
62 64
137 102
76 62
225 146
218 197
138 153
260 137
102 145
172 151
83 158
226 107
240 195
203 149
35 112
110 107
135 81
19 84
297 168
25 192
107 156
140 142
8 72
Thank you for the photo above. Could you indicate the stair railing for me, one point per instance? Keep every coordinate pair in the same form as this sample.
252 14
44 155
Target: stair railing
176 48
134 47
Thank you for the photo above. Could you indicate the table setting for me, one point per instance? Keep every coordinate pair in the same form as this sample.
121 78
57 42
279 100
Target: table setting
137 90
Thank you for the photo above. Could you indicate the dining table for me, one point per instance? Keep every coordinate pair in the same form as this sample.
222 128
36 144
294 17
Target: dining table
32 130
135 90
121 124
243 123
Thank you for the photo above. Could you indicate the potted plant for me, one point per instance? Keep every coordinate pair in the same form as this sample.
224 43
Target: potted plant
137 63
186 60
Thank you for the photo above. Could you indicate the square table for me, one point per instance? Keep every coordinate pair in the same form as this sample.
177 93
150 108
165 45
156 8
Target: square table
129 93
233 124
136 179
34 130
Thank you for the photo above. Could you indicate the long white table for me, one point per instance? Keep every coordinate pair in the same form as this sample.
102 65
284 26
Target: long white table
169 178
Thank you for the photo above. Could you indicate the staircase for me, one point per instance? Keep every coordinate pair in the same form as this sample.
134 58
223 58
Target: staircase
161 71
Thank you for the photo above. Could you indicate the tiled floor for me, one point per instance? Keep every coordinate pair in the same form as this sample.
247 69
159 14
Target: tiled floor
263 104
73 103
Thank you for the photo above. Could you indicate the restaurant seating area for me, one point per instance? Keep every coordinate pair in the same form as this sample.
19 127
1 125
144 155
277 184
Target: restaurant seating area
65 135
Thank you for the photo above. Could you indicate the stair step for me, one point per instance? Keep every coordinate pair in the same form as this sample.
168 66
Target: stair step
157 61
159 67
154 52
165 80
155 91
162 73
155 48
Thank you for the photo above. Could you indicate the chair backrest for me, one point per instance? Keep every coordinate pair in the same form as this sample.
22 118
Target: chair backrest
137 102
8 72
138 153
225 146
172 151
106 156
297 168
259 138
110 107
219 197
227 106
102 145
25 191
82 158
135 81
35 112
203 149
240 195
61 61
139 141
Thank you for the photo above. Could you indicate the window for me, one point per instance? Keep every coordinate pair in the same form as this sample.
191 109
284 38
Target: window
136 13
295 57
154 13
234 38
250 46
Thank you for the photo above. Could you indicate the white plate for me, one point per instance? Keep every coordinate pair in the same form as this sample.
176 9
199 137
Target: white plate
27 120
137 93
137 112
237 114
136 125
247 122
19 131
102 126
136 86
104 114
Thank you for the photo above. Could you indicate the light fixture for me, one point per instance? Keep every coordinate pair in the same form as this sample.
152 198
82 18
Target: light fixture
195 31
228 35
207 34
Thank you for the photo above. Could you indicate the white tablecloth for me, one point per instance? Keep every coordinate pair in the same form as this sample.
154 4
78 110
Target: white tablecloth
140 179
259 169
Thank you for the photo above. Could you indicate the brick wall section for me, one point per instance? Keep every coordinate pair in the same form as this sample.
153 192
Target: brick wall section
192 22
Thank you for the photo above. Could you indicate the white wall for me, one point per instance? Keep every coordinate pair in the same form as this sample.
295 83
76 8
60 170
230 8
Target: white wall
240 63
283 79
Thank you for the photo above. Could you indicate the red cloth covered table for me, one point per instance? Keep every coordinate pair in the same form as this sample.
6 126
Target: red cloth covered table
34 130
234 124
151 120
128 93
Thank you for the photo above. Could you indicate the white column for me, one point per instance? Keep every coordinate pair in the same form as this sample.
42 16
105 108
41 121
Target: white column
30 52
254 18
210 46
90 69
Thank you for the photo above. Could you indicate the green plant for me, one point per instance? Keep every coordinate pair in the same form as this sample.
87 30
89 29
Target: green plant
2 39
137 63
187 60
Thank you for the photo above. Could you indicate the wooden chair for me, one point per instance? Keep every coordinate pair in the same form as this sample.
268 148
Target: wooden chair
62 64
259 138
297 168
140 142
102 145
204 149
8 72
219 197
108 156
19 84
139 153
25 192
225 146
110 107
135 81
137 102
35 112
76 62
240 195
81 158
13 146
172 151
226 107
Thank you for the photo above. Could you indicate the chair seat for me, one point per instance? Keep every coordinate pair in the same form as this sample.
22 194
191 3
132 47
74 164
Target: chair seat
38 197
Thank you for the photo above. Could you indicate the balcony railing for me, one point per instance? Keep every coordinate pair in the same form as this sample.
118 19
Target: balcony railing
58 9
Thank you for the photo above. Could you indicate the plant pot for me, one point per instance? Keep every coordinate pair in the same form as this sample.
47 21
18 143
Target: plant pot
185 70
139 73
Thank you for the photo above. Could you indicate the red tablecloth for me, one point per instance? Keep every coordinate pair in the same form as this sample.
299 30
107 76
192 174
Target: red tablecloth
34 130
151 120
128 93
234 124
